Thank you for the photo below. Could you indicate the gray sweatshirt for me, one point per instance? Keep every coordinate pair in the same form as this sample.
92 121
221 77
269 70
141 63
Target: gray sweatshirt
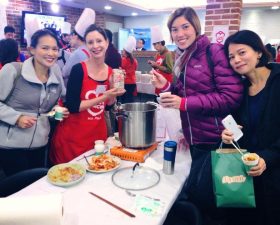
29 97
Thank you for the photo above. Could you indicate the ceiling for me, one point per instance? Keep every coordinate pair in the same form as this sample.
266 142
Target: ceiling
149 7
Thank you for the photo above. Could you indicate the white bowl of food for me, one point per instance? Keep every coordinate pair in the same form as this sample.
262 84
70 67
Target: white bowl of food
250 159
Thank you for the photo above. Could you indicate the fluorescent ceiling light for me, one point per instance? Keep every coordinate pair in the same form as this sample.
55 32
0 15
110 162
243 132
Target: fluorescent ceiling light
4 2
275 7
55 8
134 14
54 1
107 7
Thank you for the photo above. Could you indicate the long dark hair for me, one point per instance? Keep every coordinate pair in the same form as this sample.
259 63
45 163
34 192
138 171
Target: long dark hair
130 56
250 38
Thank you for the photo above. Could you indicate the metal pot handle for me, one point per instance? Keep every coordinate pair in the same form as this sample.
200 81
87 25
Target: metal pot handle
121 114
153 103
117 107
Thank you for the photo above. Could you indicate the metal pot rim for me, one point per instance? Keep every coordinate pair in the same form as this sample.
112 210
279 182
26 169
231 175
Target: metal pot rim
138 103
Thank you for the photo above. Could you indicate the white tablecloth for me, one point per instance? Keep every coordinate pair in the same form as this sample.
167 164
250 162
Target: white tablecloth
81 208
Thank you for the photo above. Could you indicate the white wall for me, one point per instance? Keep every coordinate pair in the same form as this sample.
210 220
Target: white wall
263 21
3 19
161 20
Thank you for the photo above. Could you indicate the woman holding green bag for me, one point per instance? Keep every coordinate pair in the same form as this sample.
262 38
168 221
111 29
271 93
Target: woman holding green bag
259 115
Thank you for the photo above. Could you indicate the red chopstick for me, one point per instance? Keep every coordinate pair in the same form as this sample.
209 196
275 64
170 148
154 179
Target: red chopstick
112 204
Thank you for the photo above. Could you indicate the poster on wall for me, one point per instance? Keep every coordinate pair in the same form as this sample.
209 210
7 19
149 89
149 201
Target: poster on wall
220 34
138 33
45 21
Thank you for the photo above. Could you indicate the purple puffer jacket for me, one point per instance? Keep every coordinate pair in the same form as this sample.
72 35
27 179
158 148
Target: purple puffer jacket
207 102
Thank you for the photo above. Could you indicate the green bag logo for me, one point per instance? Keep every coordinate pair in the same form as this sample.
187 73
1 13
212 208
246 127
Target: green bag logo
234 179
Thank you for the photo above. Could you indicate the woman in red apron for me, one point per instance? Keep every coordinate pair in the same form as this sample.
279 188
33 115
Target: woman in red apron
88 93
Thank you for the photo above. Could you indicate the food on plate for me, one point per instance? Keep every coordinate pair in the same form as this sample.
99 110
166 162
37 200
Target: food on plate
103 162
65 174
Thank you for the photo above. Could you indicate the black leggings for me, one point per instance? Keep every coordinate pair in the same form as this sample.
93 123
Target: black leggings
16 160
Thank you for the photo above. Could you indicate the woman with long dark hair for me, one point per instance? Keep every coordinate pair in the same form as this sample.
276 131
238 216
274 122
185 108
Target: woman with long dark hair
129 65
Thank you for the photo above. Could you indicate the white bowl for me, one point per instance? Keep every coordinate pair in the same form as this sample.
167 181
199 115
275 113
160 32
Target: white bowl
250 159
99 142
99 148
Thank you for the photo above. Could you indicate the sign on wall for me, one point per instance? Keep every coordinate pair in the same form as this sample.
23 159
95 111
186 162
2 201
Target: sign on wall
220 34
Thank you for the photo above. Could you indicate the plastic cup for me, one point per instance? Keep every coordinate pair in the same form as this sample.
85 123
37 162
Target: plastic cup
58 113
164 94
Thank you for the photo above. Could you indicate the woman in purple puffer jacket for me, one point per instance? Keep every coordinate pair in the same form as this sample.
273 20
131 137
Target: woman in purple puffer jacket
206 90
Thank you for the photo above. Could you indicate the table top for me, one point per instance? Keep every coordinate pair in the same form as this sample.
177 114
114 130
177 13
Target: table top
85 209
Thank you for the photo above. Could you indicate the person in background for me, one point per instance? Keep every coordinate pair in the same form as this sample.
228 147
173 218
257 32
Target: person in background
80 53
163 63
8 51
65 41
63 55
204 99
129 65
140 45
113 57
278 54
114 60
9 32
65 36
272 51
26 96
259 118
88 93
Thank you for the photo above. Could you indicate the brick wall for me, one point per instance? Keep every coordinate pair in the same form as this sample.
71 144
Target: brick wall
15 8
223 12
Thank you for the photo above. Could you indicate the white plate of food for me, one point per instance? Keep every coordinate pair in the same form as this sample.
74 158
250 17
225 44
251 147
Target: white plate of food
102 163
66 174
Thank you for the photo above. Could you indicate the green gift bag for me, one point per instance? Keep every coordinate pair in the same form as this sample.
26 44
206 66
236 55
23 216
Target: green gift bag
232 186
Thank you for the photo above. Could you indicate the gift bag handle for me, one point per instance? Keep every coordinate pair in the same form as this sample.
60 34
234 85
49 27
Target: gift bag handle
235 144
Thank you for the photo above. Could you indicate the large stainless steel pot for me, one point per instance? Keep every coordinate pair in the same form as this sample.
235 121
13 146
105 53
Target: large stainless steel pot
137 124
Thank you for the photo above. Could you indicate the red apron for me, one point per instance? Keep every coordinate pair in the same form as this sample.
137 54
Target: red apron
168 76
76 134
